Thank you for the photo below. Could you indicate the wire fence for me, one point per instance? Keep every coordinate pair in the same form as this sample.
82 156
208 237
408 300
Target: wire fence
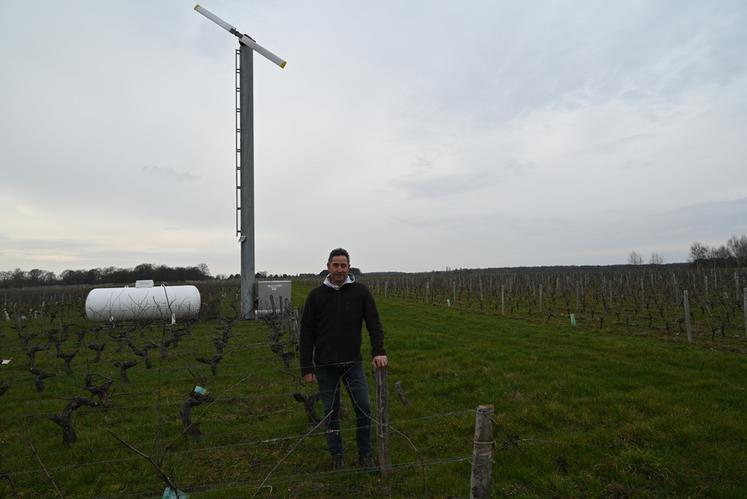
290 478
252 443
288 437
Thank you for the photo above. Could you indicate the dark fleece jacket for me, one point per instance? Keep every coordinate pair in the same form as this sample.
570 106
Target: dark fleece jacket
331 326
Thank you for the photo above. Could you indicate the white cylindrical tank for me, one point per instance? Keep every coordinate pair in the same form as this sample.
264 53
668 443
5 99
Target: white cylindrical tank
143 303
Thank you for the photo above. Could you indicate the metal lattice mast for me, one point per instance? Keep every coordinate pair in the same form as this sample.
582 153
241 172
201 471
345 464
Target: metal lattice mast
237 138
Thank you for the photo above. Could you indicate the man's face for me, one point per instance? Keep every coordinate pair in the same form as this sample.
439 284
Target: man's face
338 269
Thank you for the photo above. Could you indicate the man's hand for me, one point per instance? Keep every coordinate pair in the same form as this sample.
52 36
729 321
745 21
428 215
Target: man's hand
309 377
380 361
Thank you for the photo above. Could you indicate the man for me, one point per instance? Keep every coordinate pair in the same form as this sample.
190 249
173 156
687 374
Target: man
330 344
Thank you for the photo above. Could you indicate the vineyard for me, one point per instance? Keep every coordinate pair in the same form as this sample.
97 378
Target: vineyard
590 400
695 304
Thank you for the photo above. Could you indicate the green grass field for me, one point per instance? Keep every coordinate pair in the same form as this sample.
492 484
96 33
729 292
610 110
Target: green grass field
578 413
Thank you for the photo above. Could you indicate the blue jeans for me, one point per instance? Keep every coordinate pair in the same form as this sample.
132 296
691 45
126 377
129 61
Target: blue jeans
330 379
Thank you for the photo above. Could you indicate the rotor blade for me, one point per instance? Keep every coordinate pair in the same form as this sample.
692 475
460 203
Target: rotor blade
245 39
217 20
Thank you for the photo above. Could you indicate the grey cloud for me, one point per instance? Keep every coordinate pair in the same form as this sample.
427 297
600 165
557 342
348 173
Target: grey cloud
594 239
646 230
422 161
169 174
60 254
481 174
517 167
624 50
706 221
34 244
616 145
437 185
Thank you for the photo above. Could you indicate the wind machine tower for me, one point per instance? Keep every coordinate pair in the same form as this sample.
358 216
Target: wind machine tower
244 153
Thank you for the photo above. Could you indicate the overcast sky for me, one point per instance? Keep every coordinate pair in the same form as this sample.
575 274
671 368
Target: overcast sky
419 135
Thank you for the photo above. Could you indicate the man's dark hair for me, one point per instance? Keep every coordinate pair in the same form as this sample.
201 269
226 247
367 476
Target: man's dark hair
338 252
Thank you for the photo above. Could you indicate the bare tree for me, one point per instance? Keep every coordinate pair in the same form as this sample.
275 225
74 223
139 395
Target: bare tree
720 253
699 251
737 246
634 258
656 259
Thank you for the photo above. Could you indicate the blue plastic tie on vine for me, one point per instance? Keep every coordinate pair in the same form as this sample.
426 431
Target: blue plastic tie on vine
169 493
200 390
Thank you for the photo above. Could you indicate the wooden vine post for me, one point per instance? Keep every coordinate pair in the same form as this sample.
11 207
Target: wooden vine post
736 286
479 282
744 309
688 325
382 419
482 454
540 297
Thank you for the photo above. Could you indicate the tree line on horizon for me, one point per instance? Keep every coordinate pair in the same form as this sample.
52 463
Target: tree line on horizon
731 254
110 275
